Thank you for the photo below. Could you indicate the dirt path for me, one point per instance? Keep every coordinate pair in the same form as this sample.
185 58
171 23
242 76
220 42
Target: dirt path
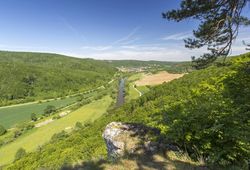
137 90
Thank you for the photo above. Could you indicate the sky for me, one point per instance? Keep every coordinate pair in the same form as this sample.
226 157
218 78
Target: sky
100 29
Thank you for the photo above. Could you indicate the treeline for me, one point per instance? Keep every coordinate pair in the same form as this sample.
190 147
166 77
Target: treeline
34 76
205 113
171 67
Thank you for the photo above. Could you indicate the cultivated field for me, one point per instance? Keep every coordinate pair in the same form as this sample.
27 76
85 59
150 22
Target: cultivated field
159 78
40 136
9 116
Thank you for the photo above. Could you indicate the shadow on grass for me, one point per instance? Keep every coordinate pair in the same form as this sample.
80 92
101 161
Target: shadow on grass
142 157
138 161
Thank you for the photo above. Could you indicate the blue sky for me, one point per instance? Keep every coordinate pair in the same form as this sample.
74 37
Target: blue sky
101 29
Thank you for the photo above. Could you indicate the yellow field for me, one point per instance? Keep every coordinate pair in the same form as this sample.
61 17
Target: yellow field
159 78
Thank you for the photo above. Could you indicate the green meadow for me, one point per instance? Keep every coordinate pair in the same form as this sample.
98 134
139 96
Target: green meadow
132 93
143 89
10 116
39 136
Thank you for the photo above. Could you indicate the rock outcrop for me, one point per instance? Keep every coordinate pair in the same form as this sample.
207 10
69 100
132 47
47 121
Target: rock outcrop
127 138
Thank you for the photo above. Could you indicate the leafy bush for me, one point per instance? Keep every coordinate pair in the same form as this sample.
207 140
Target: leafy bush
33 117
49 110
2 130
20 154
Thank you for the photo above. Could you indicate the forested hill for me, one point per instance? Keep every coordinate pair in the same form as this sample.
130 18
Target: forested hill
205 113
29 76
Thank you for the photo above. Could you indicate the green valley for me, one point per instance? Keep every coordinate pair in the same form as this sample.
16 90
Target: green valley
181 111
125 85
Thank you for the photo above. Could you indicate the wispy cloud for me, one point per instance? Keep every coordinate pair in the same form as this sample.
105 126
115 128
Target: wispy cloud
23 48
178 36
96 48
130 38
167 52
238 47
72 28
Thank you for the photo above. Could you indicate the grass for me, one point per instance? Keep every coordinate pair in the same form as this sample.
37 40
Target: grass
143 89
132 93
135 77
168 161
40 136
10 116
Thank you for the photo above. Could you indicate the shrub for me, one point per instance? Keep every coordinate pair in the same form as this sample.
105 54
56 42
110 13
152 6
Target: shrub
2 130
33 117
20 154
49 109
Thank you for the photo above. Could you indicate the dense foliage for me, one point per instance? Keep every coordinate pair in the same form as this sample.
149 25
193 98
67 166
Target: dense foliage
220 21
206 113
33 76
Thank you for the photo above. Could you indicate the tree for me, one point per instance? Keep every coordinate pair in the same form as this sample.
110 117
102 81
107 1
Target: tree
33 117
78 125
49 109
20 154
219 24
17 133
2 130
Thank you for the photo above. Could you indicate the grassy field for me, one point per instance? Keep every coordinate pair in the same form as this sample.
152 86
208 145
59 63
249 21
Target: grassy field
143 89
132 93
135 77
39 136
10 116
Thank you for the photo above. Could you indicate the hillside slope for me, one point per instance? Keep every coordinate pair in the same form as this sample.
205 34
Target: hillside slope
205 113
32 76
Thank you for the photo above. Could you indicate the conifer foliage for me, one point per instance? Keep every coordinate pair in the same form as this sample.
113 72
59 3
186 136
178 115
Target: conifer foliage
220 21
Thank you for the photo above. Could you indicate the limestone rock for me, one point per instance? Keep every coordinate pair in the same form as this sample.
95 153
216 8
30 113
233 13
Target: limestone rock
122 138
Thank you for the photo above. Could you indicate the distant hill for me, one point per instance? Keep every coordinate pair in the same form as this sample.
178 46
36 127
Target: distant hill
173 67
29 76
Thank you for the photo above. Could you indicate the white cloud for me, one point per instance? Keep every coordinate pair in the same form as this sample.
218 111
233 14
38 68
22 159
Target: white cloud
97 48
130 38
161 52
72 29
238 47
178 36
124 41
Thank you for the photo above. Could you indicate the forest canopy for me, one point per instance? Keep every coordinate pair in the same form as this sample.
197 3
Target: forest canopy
34 76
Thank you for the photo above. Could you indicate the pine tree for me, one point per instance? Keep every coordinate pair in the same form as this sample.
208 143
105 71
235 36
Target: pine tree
219 25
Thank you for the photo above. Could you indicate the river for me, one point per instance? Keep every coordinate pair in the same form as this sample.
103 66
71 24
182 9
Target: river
121 93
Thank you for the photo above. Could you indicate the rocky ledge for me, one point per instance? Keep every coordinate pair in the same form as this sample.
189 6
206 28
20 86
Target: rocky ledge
127 138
